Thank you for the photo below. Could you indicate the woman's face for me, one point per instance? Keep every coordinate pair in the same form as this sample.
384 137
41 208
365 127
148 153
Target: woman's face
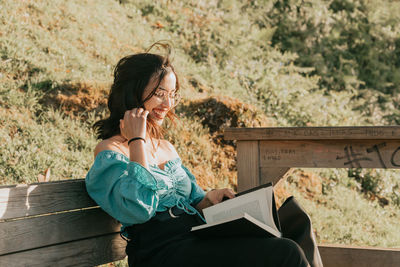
163 99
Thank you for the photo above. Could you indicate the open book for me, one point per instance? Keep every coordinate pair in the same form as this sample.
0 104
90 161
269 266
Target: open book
250 213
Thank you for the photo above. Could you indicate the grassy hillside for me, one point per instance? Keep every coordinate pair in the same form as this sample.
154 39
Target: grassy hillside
281 63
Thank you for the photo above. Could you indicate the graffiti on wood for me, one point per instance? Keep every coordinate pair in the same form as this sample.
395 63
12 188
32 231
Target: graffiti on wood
353 159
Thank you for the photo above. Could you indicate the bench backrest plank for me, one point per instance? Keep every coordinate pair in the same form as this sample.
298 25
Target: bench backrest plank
82 253
41 198
54 229
56 223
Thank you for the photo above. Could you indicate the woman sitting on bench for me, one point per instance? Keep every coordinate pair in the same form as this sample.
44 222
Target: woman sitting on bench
138 178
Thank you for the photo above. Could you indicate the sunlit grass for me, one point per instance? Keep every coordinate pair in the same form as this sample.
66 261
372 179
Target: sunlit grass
55 53
349 218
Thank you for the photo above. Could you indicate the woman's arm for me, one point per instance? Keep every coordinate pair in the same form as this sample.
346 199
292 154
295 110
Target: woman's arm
137 153
134 125
124 189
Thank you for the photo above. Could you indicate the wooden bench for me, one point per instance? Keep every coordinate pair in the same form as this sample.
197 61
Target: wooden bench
56 224
266 155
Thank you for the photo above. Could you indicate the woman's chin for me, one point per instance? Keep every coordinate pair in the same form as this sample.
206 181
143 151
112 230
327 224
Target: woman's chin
159 121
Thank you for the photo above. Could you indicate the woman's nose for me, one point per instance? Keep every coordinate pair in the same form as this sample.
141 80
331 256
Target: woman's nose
168 101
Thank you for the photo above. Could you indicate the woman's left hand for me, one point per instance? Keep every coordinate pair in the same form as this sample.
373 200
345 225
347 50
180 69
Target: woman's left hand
215 196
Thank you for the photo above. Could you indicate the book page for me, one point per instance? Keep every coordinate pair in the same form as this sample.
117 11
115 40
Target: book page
269 219
252 208
255 204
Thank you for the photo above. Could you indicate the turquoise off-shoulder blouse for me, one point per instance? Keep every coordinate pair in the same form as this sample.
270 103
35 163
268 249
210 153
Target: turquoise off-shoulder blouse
133 194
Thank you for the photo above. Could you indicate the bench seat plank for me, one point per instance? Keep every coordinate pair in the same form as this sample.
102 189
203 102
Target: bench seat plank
83 253
348 256
41 198
53 229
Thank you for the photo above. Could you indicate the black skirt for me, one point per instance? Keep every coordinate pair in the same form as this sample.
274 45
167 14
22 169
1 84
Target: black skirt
167 241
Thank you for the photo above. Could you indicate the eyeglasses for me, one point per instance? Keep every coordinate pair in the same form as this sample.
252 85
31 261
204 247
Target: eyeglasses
163 94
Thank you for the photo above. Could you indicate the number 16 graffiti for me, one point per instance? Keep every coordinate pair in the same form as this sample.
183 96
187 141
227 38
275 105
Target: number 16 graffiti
353 159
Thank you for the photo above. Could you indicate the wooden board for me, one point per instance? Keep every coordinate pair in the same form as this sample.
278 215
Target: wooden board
348 256
330 154
248 165
272 174
41 198
87 252
313 133
53 229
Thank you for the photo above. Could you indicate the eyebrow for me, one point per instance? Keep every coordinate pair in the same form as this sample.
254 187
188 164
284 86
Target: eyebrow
162 88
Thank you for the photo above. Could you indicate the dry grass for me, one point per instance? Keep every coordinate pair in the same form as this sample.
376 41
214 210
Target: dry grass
56 66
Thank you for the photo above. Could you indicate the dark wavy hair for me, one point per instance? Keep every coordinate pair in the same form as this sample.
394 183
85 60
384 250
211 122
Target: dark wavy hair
131 76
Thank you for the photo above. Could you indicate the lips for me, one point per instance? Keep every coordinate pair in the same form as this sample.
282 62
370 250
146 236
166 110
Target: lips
159 114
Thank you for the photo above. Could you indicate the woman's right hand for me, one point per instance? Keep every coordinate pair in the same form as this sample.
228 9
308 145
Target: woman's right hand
134 123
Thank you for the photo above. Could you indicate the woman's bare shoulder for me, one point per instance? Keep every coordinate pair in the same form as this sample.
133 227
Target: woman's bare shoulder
112 143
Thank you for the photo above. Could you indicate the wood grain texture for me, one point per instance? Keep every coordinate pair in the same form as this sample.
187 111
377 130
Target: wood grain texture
83 253
313 133
41 198
272 174
248 165
53 229
331 154
348 256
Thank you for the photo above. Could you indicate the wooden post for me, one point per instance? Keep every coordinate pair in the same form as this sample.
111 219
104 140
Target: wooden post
248 165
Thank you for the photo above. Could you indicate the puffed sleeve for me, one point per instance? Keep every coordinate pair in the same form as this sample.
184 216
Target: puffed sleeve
196 193
124 189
